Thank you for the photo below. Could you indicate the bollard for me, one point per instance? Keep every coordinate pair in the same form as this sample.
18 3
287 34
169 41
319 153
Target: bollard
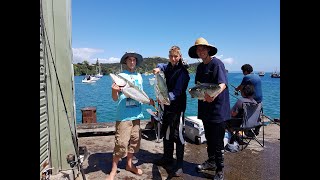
89 115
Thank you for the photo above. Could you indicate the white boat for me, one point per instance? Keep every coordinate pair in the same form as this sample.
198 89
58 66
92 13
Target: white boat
275 74
99 74
261 73
88 79
94 78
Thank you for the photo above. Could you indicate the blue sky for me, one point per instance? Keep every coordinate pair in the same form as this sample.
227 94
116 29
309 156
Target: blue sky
244 31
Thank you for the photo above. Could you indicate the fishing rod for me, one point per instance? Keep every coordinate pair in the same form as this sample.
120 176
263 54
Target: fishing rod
235 92
272 120
233 96
233 86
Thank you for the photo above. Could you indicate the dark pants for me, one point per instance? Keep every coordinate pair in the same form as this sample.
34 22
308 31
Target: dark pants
233 122
171 120
214 133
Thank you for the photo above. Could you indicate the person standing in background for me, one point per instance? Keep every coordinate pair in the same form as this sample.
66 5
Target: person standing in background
128 115
213 111
177 79
251 78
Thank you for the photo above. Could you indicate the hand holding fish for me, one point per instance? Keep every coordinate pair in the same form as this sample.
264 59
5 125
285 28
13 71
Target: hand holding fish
156 70
151 102
208 98
115 87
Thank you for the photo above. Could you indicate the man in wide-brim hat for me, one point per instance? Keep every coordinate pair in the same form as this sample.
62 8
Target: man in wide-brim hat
138 57
128 116
201 41
213 111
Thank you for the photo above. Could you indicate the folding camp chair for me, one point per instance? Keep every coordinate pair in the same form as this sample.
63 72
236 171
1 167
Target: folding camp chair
251 120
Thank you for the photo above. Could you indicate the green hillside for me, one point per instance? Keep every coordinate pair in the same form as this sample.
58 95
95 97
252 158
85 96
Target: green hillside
147 65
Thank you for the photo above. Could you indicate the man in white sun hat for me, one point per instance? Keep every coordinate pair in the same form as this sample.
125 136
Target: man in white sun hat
213 111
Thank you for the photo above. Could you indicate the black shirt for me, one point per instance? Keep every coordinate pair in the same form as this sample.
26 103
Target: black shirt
218 110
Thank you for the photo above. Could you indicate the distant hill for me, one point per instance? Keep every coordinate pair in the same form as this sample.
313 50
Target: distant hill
147 65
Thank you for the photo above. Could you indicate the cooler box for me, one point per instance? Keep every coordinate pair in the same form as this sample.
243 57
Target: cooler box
194 129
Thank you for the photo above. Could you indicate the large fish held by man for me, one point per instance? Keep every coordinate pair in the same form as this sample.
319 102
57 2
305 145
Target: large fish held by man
200 88
130 90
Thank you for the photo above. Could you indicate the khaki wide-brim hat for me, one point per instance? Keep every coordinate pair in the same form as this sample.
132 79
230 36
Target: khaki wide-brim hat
201 41
136 55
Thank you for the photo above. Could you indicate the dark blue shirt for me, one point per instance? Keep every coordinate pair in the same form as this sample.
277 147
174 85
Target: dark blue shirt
218 110
255 80
177 79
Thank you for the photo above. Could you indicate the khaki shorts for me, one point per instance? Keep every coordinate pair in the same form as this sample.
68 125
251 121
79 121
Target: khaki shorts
127 138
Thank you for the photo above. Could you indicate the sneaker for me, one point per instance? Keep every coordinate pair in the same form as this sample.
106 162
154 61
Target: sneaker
206 166
178 172
218 176
163 161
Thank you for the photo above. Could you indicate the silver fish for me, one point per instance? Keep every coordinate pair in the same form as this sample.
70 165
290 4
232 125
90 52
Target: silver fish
200 88
119 81
130 90
161 89
136 94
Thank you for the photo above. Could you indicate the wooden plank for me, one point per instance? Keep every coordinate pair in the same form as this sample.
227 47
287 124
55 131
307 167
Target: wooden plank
42 94
41 60
43 102
41 56
43 110
43 125
41 69
43 117
96 130
44 149
101 127
42 78
43 135
43 157
42 85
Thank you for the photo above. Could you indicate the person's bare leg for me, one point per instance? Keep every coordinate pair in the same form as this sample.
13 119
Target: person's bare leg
114 169
130 167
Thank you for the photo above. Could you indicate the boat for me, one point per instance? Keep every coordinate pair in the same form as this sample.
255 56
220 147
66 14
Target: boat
275 74
261 73
99 74
88 79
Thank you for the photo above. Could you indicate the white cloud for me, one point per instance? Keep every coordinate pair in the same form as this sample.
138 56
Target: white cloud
89 54
110 60
81 54
228 61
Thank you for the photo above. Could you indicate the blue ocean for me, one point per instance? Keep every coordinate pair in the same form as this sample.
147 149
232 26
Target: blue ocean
98 95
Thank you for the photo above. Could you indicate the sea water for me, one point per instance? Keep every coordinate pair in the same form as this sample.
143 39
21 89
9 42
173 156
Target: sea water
98 95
